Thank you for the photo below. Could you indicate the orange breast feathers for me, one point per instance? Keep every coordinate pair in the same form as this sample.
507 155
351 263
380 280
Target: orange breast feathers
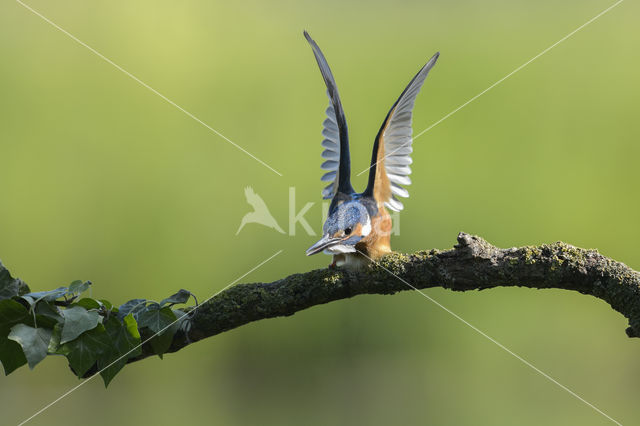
378 242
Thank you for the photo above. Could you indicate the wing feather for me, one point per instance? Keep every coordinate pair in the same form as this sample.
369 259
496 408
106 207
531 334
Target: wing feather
392 149
335 134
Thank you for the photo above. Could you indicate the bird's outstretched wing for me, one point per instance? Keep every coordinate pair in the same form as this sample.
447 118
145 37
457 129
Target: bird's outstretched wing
336 138
392 149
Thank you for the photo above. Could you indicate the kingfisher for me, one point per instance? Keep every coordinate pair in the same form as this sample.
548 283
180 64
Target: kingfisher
358 226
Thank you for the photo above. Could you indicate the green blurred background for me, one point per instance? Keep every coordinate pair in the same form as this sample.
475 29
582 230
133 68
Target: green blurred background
103 180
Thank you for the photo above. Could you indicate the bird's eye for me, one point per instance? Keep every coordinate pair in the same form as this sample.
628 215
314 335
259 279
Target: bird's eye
347 231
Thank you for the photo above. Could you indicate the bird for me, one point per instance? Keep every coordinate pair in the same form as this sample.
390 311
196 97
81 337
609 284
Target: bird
358 225
260 213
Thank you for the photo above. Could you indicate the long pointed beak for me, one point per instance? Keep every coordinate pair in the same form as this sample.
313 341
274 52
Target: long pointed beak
322 244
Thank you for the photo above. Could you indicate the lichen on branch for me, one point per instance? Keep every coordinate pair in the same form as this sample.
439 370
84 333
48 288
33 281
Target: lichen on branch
472 264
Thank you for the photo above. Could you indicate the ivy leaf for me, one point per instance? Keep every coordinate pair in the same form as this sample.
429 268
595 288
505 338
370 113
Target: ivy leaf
132 327
182 296
124 338
87 303
77 320
161 322
8 289
11 355
162 342
47 296
84 351
54 343
156 318
107 305
44 321
124 335
34 342
9 286
48 310
133 306
78 286
12 313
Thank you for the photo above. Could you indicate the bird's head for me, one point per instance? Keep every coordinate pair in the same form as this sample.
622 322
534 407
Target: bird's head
347 224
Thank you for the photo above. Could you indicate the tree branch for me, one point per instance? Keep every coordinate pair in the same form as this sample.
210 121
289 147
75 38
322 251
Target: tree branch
473 264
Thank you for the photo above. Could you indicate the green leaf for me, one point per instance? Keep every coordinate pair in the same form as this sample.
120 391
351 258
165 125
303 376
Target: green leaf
11 355
124 335
87 303
108 306
84 351
78 286
34 342
48 310
134 306
77 320
54 343
182 296
161 322
132 328
162 342
12 312
124 338
9 286
47 296
45 321
156 318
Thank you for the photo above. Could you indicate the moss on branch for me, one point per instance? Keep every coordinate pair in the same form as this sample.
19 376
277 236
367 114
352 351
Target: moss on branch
473 264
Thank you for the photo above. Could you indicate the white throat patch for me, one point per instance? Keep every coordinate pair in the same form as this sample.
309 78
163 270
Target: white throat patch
366 228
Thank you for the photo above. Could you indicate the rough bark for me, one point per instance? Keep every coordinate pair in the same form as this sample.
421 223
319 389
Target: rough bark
473 264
